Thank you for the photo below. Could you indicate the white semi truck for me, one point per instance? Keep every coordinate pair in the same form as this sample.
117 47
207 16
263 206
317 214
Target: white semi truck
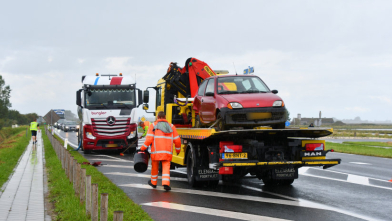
107 112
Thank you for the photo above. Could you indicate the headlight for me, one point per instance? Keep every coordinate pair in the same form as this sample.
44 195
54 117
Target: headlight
77 126
233 105
89 135
132 135
66 127
278 104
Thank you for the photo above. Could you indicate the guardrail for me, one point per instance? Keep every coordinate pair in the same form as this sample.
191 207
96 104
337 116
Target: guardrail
87 191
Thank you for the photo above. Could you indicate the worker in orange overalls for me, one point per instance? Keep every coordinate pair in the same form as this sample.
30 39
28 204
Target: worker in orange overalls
162 136
145 126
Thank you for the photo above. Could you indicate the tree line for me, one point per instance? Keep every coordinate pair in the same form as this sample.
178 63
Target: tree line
9 117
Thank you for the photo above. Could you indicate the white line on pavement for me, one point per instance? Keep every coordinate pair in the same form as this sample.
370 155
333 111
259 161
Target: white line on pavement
360 163
101 159
145 176
213 212
299 203
358 179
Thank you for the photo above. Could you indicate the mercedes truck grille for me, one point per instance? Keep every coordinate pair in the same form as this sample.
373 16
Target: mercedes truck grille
120 127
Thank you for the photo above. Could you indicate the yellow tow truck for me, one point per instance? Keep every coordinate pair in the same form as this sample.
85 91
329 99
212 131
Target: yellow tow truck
210 155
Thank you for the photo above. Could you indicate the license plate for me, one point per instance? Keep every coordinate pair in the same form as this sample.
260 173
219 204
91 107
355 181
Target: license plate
111 145
234 155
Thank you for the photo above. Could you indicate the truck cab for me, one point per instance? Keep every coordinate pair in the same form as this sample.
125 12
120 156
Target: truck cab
107 112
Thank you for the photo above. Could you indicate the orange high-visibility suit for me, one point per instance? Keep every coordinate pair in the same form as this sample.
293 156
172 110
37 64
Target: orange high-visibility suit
161 135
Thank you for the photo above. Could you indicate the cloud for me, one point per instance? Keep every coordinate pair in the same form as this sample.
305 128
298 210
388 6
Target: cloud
357 109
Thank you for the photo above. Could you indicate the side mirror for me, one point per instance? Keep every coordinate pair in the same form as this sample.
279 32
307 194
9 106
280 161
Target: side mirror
210 94
146 96
79 97
139 97
145 107
274 91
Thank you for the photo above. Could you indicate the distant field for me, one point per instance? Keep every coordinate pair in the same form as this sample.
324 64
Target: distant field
362 148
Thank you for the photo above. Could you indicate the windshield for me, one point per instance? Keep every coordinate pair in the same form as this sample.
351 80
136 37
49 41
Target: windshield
241 85
70 123
110 98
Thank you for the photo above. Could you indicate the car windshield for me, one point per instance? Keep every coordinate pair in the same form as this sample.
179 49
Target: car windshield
241 85
71 123
110 98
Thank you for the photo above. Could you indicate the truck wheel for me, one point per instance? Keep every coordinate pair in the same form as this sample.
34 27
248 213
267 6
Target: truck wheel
270 182
286 182
221 125
190 170
213 183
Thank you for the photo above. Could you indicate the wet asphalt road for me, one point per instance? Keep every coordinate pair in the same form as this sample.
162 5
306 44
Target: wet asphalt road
357 189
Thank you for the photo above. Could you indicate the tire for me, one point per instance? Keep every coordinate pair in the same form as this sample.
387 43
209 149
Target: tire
220 125
190 170
213 183
286 182
270 182
279 126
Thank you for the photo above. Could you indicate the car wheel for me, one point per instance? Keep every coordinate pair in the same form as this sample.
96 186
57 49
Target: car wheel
221 124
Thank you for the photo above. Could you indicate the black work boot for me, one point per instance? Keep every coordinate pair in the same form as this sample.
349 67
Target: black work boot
152 185
166 187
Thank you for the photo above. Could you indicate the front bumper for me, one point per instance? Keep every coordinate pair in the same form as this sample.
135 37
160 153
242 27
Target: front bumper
240 117
107 143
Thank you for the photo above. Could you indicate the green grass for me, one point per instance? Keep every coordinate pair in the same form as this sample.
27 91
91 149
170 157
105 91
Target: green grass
374 144
67 205
361 149
14 143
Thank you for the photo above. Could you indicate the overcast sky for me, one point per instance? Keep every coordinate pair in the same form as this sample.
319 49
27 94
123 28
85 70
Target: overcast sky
329 56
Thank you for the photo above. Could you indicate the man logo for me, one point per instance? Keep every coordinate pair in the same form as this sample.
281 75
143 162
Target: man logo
312 154
111 120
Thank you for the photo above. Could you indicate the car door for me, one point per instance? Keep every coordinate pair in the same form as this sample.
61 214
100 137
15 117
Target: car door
207 110
199 96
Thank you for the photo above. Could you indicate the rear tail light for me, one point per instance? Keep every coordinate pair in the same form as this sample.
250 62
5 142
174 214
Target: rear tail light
232 148
226 170
224 143
314 146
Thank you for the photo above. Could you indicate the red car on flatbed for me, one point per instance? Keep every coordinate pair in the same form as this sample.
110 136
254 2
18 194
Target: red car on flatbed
242 101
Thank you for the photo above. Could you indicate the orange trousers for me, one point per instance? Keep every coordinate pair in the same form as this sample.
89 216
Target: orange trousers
165 172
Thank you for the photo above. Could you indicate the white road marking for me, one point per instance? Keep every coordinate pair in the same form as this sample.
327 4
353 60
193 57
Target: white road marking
145 176
302 170
213 212
358 179
118 166
299 203
100 155
333 171
345 181
360 163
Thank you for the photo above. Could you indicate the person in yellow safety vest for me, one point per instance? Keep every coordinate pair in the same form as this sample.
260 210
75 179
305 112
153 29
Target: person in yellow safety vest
162 136
34 126
145 126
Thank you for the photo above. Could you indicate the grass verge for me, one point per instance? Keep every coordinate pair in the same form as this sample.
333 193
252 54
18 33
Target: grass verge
67 204
361 149
13 145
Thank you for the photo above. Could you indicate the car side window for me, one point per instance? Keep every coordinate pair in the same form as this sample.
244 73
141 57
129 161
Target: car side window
210 86
246 84
202 88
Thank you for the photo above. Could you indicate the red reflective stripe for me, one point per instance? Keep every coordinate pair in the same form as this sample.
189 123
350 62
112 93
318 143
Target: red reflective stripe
116 81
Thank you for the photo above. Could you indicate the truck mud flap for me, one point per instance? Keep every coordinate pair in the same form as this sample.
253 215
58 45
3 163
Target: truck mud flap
206 174
285 173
